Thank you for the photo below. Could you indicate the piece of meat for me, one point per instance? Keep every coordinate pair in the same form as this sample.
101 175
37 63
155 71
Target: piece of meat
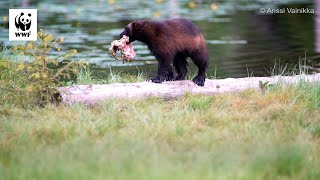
127 51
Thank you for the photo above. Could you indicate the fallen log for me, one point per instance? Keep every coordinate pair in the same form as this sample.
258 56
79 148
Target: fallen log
91 94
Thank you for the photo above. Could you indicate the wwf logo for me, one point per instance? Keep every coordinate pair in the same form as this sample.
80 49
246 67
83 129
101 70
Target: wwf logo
23 24
23 21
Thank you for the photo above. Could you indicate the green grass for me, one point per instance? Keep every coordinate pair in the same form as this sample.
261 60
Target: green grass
274 134
86 77
246 135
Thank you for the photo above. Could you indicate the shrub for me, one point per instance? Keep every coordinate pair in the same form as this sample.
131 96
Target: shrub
36 75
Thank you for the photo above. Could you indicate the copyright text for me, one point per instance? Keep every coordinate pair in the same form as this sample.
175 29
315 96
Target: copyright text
286 10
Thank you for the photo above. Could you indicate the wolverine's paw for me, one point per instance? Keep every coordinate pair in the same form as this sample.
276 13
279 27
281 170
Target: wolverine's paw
156 80
198 80
170 78
179 77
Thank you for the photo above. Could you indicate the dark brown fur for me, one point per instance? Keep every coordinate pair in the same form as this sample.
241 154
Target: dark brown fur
172 41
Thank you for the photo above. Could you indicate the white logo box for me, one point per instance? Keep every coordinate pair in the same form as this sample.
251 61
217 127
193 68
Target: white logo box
23 24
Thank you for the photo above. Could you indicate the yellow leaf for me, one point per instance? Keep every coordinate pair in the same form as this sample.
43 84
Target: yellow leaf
37 75
20 67
111 1
56 63
29 45
29 88
40 34
44 75
5 18
159 1
37 58
74 51
48 38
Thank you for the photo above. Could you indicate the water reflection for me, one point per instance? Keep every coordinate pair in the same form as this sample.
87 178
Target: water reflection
241 41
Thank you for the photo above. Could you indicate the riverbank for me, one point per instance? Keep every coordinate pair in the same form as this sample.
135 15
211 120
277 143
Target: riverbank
273 134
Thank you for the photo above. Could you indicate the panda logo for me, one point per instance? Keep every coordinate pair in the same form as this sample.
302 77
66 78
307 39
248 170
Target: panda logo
23 21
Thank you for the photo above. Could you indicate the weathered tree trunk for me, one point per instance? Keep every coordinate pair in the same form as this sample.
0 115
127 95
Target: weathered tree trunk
91 94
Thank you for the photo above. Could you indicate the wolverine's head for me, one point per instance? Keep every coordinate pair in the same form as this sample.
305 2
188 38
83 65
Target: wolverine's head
133 30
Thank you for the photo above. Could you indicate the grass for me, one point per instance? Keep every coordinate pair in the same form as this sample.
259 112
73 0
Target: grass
274 134
85 77
248 135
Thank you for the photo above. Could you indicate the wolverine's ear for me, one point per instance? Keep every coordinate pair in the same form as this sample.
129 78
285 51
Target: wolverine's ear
137 23
127 30
133 24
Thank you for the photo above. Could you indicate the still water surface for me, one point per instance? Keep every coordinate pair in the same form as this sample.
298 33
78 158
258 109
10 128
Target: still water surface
241 40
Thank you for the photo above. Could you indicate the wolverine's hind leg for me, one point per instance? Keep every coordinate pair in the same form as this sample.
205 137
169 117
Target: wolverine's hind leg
180 64
165 71
200 57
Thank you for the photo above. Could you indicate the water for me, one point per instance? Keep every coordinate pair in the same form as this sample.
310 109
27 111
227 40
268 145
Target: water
241 41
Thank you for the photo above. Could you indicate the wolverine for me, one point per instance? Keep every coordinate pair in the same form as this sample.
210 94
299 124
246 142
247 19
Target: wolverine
172 42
